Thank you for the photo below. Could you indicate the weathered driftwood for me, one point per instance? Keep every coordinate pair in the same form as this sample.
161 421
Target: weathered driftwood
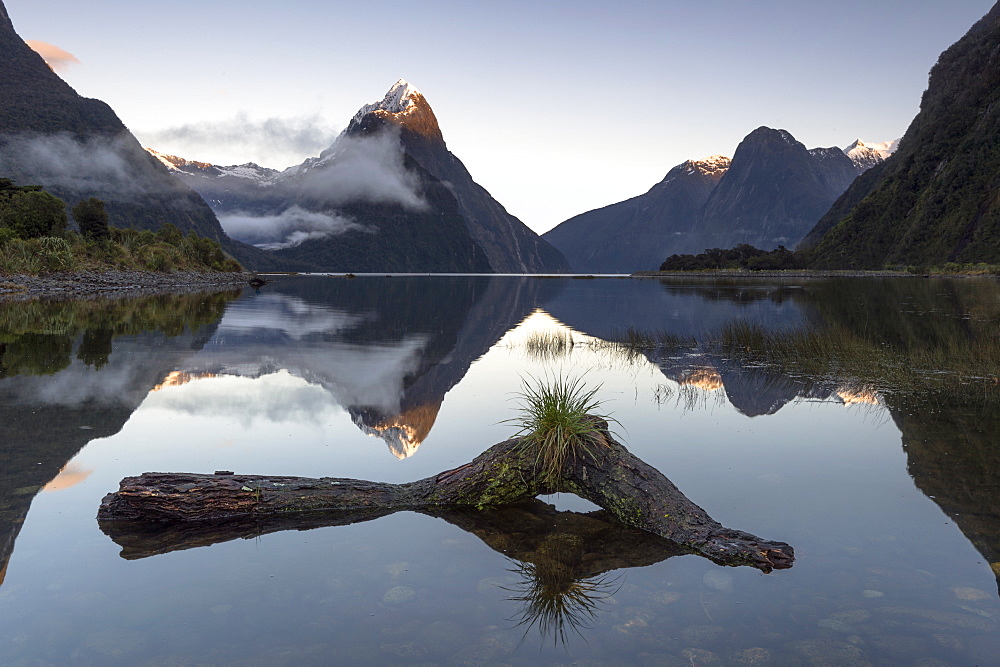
608 475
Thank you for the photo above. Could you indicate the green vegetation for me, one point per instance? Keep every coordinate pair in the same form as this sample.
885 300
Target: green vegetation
92 219
559 419
742 257
34 239
27 212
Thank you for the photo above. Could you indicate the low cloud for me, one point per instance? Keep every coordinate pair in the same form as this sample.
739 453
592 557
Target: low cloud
290 228
367 167
272 142
56 58
105 165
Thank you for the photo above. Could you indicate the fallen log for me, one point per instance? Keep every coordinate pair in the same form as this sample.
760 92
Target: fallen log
606 474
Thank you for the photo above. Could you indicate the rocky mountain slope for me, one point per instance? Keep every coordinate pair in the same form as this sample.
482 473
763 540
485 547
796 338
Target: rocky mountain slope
936 201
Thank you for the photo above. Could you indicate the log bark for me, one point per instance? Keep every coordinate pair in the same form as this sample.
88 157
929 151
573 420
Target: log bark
608 475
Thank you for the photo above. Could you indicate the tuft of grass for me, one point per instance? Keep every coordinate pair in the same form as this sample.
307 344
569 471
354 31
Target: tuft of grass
559 419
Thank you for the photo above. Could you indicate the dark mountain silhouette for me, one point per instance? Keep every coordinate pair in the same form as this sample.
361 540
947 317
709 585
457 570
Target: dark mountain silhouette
771 193
936 200
639 233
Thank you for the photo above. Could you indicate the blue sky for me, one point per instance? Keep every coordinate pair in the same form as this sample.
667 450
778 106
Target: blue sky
555 107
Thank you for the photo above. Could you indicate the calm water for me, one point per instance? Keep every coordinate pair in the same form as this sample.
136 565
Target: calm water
886 485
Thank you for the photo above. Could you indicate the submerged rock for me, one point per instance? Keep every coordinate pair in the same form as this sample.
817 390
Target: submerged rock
398 594
719 580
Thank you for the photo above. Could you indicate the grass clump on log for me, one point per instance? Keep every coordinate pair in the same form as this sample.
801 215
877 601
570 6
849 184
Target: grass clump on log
558 419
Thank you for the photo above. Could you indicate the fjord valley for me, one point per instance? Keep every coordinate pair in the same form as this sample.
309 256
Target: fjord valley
416 437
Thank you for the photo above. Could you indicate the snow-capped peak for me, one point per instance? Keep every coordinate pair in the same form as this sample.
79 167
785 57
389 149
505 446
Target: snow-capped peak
401 99
884 149
866 155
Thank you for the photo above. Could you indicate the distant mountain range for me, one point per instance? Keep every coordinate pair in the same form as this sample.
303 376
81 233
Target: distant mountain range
387 187
771 193
388 195
937 200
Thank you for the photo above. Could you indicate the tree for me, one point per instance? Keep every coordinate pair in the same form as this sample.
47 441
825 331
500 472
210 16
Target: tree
92 218
32 213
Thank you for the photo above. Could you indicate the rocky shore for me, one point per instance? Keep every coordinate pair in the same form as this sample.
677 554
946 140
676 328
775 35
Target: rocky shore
91 283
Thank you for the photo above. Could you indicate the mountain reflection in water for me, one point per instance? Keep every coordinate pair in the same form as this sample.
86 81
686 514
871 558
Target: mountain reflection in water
387 351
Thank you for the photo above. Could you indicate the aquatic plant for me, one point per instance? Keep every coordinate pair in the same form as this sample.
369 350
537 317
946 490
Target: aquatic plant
559 418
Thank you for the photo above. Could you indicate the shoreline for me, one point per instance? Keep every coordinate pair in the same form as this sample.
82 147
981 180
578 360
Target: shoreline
802 273
109 283
121 282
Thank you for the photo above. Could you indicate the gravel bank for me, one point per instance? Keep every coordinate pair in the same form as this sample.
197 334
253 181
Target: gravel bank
87 283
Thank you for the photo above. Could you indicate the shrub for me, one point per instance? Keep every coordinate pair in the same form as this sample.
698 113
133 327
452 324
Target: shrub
92 219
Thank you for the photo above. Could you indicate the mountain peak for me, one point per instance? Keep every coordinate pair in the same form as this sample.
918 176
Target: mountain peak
405 106
402 98
884 149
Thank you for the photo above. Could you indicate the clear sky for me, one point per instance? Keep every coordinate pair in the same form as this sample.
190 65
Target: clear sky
555 107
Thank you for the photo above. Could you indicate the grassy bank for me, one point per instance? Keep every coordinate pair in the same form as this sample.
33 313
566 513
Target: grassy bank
124 249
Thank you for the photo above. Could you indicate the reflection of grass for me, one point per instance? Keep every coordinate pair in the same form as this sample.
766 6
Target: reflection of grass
555 602
548 345
857 359
688 396
557 421
38 337
645 340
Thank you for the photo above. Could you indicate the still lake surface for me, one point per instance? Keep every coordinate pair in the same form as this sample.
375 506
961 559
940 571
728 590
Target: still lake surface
887 485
